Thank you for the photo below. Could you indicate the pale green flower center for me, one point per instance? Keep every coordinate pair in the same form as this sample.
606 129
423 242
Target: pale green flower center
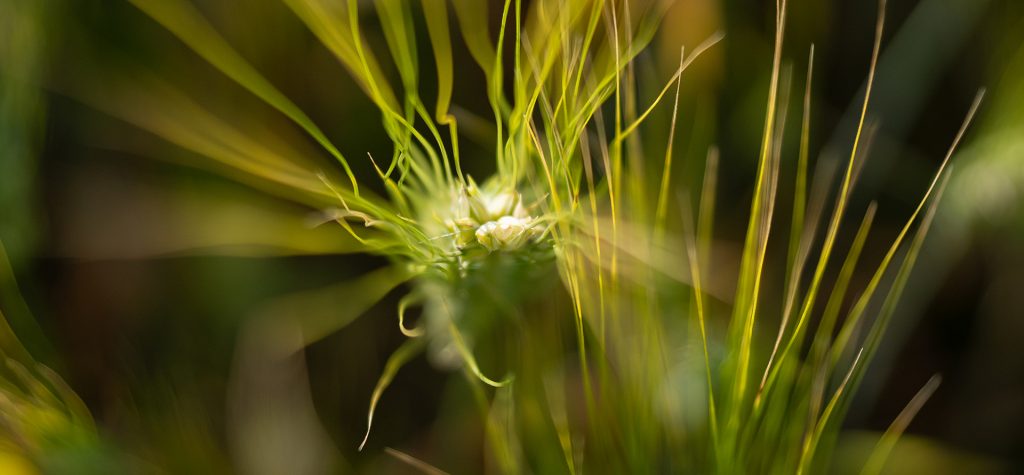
496 220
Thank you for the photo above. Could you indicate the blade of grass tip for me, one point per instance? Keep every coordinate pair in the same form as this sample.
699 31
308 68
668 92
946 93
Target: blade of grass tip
855 320
768 210
810 444
754 222
403 304
414 462
184 21
800 187
706 217
838 212
767 218
888 307
799 241
676 79
749 279
662 207
399 358
878 327
859 307
816 397
588 167
795 265
885 445
698 295
868 141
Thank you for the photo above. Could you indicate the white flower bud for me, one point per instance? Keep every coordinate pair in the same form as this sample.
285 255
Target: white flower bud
508 233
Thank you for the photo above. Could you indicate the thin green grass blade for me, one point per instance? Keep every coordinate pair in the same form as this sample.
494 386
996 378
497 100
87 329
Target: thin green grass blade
706 216
815 363
437 26
329 22
823 335
675 79
796 259
860 306
698 294
184 21
10 346
752 260
396 20
399 358
473 21
403 304
414 462
810 444
837 215
800 186
885 445
318 313
469 359
666 171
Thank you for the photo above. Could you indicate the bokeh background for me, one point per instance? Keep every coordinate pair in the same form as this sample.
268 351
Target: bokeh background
136 288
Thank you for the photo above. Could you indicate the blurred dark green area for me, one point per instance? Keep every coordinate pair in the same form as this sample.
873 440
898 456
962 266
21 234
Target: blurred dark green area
147 335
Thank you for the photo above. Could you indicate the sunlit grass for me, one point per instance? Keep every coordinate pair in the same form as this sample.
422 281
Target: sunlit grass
568 202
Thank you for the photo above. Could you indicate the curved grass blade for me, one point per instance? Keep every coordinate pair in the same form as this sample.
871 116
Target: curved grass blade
318 313
184 21
885 445
399 358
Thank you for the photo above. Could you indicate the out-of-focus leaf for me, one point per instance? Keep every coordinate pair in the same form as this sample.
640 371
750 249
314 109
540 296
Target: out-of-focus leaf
182 19
117 219
316 314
